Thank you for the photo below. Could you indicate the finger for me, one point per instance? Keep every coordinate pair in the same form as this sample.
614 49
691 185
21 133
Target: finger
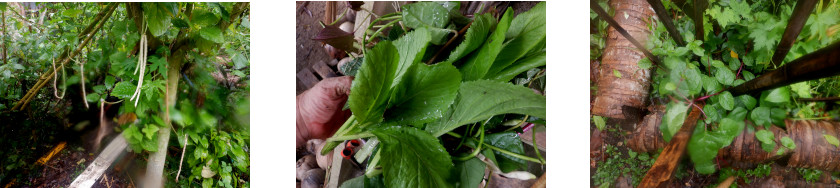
337 87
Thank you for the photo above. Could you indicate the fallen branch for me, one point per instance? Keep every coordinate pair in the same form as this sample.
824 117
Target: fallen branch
183 150
663 169
101 163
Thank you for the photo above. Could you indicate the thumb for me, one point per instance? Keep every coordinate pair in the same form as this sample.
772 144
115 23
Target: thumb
337 87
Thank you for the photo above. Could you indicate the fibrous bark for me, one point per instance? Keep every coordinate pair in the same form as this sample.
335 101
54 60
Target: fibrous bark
617 97
812 150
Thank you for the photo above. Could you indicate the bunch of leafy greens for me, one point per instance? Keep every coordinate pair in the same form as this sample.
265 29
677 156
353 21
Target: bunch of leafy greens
737 50
407 105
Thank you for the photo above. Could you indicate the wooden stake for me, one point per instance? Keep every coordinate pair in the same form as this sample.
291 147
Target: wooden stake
663 169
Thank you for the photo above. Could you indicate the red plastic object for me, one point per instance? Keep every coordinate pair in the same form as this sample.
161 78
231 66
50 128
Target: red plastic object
347 153
352 144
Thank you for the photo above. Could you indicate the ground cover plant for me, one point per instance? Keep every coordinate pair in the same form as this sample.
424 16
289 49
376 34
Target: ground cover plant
703 66
443 111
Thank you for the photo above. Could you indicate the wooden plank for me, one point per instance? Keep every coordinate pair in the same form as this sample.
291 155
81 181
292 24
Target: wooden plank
102 162
663 169
307 78
323 70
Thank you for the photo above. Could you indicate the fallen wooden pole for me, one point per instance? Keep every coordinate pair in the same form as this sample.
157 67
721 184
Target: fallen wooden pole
102 162
663 169
797 20
660 11
819 64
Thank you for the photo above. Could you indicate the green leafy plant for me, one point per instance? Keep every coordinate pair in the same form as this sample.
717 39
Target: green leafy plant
409 105
740 37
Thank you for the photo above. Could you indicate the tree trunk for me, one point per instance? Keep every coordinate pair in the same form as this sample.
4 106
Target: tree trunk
154 168
812 150
5 56
624 97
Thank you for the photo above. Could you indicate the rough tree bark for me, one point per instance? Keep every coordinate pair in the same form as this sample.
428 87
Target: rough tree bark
623 97
812 150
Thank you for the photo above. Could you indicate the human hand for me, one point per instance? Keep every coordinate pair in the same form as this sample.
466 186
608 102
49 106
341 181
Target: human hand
319 112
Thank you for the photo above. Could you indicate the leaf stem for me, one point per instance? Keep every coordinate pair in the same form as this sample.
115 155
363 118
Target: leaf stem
520 123
534 138
389 24
456 135
349 137
478 146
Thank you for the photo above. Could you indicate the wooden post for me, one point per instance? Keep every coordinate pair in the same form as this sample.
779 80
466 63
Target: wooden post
102 162
819 64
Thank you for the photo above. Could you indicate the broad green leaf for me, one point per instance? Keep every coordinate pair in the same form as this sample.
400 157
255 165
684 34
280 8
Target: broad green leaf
710 84
525 38
779 95
471 172
93 97
158 16
363 182
760 115
725 76
202 17
109 82
693 79
370 90
180 23
475 36
507 141
765 136
123 90
645 63
480 62
673 119
412 158
520 66
788 143
212 34
748 101
727 101
424 94
482 99
616 73
425 14
411 48
599 122
777 116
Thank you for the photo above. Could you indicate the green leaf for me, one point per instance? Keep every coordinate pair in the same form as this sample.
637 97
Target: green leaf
673 119
412 158
158 16
725 76
425 14
710 84
109 82
616 73
471 172
748 101
760 115
363 182
520 66
212 34
802 89
425 93
645 63
788 143
150 130
475 36
180 23
507 141
123 90
203 18
727 101
482 99
765 136
832 140
527 31
599 122
93 97
371 87
411 48
480 62
779 95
